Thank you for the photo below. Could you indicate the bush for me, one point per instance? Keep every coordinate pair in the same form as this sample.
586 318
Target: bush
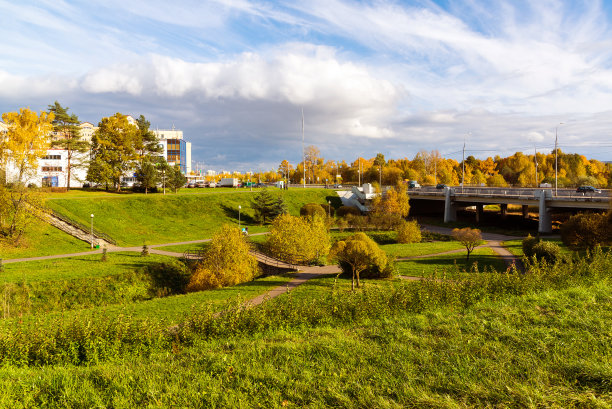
385 221
409 232
546 250
227 262
344 211
313 209
586 230
298 239
528 243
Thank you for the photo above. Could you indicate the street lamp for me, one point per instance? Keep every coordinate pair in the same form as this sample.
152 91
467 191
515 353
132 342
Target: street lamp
556 140
329 208
92 235
239 207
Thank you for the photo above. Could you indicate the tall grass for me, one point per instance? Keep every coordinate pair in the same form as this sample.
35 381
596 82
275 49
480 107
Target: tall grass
97 338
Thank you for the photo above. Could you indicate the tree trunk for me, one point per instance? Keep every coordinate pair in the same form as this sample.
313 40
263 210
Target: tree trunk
353 280
358 279
69 168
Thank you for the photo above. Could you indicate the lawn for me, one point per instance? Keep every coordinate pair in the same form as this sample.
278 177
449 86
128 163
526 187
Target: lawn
419 249
516 246
485 257
42 239
77 268
157 219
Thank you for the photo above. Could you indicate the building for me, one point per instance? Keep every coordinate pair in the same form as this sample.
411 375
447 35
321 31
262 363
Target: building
52 168
177 151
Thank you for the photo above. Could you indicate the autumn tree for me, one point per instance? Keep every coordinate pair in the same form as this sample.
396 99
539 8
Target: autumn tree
68 137
587 230
26 141
469 238
395 201
227 262
115 150
298 239
358 253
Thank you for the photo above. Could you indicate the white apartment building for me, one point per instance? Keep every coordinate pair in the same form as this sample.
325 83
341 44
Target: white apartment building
177 151
52 168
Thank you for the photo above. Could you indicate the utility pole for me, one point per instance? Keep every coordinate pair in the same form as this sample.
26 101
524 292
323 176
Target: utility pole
303 154
535 159
436 170
556 159
463 167
358 171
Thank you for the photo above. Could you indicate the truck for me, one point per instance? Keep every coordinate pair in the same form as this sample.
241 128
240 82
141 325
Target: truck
229 182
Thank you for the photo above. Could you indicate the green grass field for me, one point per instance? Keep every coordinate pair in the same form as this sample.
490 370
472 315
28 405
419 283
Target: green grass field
42 239
485 257
516 246
542 349
156 219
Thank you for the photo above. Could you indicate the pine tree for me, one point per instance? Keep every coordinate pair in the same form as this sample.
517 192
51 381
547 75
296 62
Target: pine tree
68 137
267 207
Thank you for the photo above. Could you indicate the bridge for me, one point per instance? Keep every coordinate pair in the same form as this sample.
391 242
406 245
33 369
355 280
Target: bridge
545 199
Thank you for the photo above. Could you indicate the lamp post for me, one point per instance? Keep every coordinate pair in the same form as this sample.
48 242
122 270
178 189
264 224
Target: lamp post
556 140
92 235
239 207
329 208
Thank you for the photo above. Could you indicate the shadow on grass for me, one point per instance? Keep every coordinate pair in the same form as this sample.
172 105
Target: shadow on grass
449 263
232 213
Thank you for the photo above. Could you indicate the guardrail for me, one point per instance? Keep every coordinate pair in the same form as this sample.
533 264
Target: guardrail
194 254
83 227
518 193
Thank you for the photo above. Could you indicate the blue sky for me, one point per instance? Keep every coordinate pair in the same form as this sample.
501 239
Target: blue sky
394 77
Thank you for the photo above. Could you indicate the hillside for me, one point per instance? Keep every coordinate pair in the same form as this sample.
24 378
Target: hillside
130 220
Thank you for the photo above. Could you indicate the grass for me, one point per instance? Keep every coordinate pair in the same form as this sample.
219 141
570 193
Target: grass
130 219
77 268
42 239
537 350
516 246
485 257
418 249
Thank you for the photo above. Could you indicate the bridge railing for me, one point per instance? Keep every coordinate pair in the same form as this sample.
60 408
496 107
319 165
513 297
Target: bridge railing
518 193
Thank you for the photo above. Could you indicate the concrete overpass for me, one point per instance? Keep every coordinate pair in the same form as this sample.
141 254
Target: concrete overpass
546 200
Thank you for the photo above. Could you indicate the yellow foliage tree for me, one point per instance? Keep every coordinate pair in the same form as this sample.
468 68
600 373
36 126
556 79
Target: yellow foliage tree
360 253
394 202
298 239
227 262
470 238
26 141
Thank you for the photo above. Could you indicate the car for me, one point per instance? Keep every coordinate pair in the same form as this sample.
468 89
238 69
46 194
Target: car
440 186
413 184
587 189
212 184
191 185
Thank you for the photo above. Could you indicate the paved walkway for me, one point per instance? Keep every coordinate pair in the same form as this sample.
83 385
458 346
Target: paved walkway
493 241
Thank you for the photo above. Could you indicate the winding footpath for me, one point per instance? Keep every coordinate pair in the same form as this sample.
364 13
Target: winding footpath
304 273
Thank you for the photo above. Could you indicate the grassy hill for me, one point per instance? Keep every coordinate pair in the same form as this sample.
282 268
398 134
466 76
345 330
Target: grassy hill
171 218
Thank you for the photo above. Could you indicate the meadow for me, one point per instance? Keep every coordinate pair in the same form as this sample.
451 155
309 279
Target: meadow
492 340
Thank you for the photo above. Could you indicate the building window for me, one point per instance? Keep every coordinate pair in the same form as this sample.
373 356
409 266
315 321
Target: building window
51 168
52 157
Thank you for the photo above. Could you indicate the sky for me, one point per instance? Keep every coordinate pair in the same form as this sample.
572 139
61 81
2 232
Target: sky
394 77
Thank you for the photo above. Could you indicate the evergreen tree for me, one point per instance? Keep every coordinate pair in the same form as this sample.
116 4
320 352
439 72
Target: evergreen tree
148 145
176 179
147 175
267 207
68 137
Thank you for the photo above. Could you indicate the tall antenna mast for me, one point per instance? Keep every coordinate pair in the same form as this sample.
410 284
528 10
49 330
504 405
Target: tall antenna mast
303 154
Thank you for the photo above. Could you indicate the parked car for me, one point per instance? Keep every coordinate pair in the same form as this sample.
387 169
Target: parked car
587 189
440 186
212 184
191 185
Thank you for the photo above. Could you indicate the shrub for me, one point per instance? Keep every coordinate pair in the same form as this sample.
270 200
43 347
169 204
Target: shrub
408 232
546 250
299 239
226 262
586 230
313 209
528 243
344 211
360 254
385 221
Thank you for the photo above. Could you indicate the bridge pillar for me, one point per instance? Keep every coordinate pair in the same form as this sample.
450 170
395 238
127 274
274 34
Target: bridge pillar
504 210
525 210
450 210
479 212
545 221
